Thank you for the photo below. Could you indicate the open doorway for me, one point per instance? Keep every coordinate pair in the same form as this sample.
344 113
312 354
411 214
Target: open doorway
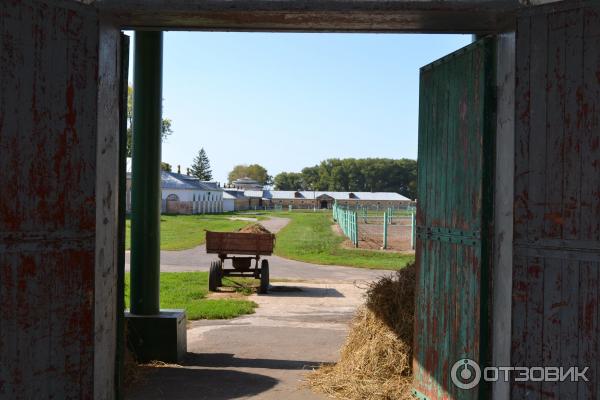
261 131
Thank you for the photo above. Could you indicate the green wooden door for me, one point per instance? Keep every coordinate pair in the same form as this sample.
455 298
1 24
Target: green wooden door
455 193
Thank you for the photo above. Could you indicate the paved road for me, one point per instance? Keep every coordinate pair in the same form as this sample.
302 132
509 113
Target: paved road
196 259
263 356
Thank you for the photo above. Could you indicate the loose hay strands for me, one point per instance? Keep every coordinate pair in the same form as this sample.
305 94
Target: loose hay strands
376 360
254 228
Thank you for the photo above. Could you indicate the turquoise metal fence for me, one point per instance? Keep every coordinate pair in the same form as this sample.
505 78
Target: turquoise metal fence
347 221
394 229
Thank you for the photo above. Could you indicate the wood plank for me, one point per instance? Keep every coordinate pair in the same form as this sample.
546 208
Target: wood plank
555 132
569 317
590 141
534 327
570 289
573 124
536 186
550 335
50 353
520 296
589 297
522 122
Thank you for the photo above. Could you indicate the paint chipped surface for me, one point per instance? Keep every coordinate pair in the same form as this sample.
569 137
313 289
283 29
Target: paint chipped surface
47 208
451 218
557 199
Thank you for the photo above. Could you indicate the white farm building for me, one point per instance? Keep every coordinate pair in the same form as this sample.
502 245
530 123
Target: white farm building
184 194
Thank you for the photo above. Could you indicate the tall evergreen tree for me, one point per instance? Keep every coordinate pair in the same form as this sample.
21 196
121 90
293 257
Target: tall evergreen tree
201 167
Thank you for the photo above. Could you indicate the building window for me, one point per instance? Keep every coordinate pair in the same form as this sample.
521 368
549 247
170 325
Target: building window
172 197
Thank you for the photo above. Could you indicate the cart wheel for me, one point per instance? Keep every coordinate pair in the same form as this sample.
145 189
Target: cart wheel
214 276
221 273
264 277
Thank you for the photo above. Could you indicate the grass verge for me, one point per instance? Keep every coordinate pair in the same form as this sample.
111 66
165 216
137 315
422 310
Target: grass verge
309 237
188 290
180 232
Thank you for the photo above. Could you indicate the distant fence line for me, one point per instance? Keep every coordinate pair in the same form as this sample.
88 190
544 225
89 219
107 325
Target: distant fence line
377 229
347 221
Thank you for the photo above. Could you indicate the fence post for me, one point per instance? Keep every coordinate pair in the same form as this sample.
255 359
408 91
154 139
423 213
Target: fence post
385 229
351 230
413 229
347 215
355 230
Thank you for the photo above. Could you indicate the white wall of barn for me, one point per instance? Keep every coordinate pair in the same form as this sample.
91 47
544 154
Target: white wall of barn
228 205
193 195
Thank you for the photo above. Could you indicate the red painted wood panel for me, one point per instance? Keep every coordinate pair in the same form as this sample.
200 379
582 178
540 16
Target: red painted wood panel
557 197
48 128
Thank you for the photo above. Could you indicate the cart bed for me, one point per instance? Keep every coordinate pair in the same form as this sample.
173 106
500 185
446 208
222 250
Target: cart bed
239 243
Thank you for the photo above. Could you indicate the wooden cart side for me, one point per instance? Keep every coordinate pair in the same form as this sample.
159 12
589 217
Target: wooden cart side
239 243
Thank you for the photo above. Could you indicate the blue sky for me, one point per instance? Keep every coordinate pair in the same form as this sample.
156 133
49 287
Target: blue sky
287 101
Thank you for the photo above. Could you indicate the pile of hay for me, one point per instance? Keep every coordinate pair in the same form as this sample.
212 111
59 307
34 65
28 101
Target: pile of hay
376 360
254 228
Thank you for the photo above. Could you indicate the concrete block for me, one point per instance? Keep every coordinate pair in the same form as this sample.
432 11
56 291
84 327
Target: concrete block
160 337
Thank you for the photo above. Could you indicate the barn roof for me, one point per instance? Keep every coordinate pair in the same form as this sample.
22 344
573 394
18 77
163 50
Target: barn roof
234 193
309 195
171 180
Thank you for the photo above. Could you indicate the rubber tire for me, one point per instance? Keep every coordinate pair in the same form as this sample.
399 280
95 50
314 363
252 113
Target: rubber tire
264 277
214 276
220 275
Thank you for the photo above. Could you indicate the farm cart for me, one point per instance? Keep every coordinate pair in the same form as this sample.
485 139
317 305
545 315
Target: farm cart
241 249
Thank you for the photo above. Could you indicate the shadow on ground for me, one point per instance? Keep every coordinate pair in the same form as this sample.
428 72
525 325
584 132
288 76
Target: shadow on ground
302 291
225 360
193 383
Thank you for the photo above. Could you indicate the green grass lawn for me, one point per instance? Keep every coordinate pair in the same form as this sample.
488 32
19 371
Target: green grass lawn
309 237
188 290
180 232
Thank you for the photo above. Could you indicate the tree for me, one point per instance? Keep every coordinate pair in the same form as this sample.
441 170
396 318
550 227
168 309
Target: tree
356 175
201 166
289 181
166 128
253 171
310 178
165 166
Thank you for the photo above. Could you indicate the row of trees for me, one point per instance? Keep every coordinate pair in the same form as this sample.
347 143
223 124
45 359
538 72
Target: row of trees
354 175
347 175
